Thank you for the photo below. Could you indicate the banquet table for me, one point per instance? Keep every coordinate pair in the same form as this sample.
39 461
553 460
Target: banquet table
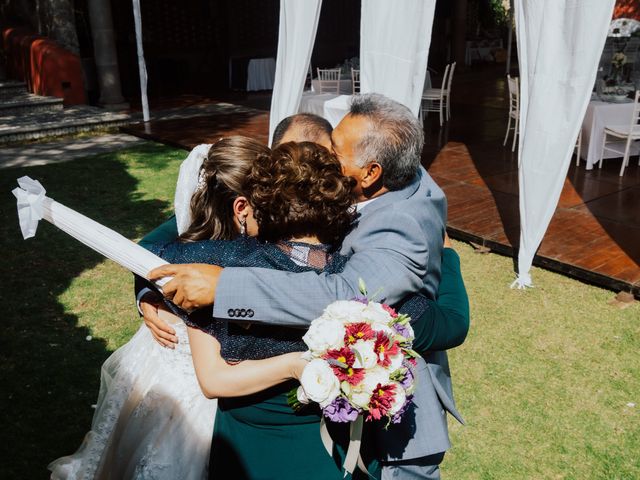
346 87
600 114
481 50
261 73
327 105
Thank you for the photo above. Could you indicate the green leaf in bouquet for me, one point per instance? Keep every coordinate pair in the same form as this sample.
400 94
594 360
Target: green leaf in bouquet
377 292
358 356
346 388
336 363
362 287
292 400
412 353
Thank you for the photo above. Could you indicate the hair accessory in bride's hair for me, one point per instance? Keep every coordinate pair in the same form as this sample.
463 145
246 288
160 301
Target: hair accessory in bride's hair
202 181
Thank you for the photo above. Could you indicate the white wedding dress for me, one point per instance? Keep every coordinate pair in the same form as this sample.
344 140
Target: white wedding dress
152 421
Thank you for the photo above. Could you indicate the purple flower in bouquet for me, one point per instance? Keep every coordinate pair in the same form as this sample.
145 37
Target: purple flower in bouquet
409 377
397 417
361 299
340 410
402 330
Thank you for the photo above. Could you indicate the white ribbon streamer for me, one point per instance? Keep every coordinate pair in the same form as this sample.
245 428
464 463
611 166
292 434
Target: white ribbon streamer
352 457
34 205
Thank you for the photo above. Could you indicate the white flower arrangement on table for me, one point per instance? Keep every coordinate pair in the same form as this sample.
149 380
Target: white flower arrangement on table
619 60
361 362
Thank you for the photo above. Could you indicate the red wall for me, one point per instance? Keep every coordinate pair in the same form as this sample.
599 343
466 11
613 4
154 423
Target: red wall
627 9
46 67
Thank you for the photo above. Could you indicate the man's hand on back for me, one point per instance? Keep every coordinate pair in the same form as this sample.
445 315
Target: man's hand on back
193 285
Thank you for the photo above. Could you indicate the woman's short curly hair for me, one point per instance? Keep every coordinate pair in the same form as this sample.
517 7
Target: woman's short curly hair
299 190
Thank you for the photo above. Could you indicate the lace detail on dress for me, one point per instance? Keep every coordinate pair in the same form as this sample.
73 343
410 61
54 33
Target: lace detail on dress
151 419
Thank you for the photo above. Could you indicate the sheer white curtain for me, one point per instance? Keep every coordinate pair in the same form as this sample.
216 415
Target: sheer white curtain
559 46
394 48
298 25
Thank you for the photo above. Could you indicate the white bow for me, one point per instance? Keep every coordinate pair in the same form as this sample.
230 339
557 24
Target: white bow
30 195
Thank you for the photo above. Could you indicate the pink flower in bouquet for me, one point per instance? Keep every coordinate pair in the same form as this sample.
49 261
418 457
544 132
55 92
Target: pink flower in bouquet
390 310
381 402
348 373
358 331
385 349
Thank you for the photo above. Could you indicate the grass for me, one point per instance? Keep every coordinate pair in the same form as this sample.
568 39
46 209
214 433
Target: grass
544 379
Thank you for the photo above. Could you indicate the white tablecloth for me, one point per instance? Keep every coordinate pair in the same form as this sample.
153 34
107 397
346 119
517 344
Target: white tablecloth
327 105
481 50
600 114
346 87
261 73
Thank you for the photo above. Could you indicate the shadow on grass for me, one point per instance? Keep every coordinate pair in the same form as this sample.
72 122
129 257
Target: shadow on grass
48 370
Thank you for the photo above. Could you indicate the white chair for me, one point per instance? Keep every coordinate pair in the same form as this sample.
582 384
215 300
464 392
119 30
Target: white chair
514 110
355 80
308 81
578 147
629 132
438 99
329 80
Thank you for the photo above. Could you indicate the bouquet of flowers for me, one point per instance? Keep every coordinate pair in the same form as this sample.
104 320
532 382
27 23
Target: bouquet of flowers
361 362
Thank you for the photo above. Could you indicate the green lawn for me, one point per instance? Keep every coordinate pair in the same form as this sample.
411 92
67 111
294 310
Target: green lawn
544 379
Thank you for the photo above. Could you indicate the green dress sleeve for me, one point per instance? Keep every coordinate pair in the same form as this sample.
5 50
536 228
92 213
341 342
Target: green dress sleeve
445 323
165 233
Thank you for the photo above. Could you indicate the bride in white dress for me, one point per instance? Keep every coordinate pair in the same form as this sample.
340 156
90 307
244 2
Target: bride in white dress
152 420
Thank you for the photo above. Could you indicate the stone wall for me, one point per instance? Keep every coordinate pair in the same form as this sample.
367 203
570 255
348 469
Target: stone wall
50 18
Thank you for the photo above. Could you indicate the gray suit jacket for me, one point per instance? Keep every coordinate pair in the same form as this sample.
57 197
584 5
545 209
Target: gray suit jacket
396 248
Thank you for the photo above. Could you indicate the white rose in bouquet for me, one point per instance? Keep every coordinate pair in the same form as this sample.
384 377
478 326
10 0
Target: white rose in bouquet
399 398
383 327
396 362
375 376
345 311
360 398
324 334
301 395
375 314
319 382
365 354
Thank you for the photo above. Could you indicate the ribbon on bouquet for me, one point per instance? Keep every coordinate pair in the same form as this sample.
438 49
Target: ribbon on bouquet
34 205
353 457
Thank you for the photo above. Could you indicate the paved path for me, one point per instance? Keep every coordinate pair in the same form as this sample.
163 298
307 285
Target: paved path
64 150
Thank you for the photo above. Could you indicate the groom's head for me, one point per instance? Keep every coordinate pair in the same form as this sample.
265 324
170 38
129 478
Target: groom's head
303 127
379 143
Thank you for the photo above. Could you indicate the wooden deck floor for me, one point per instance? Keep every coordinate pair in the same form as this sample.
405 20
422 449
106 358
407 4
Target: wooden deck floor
595 232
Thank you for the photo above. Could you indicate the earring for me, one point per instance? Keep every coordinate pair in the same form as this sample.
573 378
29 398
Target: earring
243 227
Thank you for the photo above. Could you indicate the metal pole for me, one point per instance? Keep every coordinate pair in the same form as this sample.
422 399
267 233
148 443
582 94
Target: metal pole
142 68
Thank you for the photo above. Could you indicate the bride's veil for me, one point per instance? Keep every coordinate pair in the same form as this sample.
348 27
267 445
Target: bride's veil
187 184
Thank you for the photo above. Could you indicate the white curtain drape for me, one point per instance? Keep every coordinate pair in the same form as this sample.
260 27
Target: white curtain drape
297 33
142 66
559 46
394 48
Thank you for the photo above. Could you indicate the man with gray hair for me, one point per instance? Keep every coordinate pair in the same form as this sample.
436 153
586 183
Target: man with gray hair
395 247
